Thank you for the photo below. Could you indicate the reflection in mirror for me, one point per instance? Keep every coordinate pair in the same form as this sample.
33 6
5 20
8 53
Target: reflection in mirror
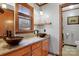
24 10
24 23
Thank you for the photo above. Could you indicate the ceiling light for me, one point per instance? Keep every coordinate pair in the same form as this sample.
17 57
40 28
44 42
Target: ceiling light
4 6
41 13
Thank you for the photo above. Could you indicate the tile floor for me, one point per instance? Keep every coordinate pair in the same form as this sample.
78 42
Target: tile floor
70 51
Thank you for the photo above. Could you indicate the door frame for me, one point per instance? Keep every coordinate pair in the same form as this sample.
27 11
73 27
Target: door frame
61 26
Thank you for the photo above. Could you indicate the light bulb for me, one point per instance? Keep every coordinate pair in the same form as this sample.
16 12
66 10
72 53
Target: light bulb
41 13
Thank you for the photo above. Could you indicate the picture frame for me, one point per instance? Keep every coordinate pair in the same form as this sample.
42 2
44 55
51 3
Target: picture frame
73 20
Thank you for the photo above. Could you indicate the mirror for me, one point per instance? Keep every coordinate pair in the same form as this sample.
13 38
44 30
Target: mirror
24 10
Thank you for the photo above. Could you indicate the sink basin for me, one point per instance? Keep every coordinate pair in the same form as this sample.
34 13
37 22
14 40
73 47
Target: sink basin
13 40
42 35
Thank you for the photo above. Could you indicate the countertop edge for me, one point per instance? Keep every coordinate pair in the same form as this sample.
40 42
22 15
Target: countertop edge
3 54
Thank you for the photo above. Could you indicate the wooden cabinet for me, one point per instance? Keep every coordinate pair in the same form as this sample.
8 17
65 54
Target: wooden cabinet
36 45
45 47
24 18
37 52
21 52
35 49
27 54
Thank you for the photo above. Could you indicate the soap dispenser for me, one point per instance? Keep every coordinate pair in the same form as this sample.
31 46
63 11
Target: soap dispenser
9 33
36 32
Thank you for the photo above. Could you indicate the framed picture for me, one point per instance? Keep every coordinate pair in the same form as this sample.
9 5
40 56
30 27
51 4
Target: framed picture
73 20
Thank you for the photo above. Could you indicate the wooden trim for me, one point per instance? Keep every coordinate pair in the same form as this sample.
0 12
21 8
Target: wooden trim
53 54
67 4
17 21
16 18
26 4
70 9
21 14
25 32
41 4
60 31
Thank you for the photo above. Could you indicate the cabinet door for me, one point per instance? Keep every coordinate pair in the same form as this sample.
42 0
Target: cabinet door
20 52
36 45
27 54
45 47
37 52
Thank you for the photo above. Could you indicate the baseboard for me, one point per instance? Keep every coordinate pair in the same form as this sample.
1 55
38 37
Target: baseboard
53 54
70 45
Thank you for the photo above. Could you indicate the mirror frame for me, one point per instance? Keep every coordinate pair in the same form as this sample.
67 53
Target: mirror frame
17 18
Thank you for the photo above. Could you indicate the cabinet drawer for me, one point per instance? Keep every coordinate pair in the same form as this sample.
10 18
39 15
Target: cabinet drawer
36 45
44 52
20 52
37 52
45 46
45 43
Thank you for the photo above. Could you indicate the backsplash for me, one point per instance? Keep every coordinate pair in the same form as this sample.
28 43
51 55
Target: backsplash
26 36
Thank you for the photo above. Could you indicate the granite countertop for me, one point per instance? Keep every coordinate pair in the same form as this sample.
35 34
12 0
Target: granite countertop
23 43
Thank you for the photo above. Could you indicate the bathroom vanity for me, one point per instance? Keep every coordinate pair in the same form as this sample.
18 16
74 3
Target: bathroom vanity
24 24
35 46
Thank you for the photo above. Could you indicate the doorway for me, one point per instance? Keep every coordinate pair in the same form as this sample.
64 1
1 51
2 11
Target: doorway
69 29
